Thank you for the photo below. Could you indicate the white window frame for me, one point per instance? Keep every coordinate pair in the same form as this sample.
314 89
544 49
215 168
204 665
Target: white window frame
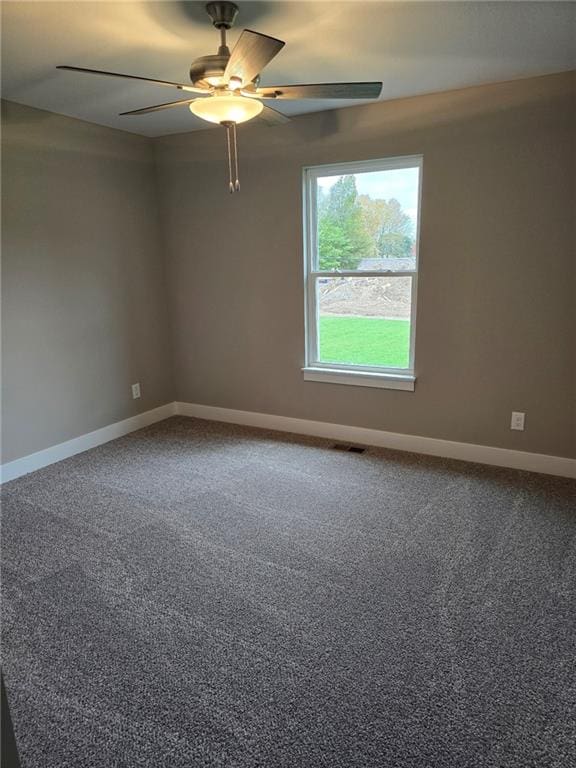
337 373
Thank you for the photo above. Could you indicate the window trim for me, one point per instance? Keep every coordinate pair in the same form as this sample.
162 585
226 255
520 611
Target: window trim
372 376
361 378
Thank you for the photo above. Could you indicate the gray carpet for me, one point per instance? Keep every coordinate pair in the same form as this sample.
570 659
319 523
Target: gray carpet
205 595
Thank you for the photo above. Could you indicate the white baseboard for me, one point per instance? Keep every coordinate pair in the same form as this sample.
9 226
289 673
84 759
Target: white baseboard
13 469
481 454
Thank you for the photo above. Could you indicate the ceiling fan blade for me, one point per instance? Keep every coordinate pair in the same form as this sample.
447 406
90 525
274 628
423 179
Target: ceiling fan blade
272 117
181 86
251 54
158 107
321 91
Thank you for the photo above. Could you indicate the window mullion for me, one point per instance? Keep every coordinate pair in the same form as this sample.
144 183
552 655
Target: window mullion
359 273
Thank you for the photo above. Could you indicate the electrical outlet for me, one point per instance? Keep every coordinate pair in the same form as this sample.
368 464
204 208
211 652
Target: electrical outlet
136 391
517 421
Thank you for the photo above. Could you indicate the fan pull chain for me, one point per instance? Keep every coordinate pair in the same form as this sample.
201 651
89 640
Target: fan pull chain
228 127
232 142
237 181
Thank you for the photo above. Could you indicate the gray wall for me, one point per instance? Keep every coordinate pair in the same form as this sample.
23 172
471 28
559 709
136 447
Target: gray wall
86 302
83 286
496 308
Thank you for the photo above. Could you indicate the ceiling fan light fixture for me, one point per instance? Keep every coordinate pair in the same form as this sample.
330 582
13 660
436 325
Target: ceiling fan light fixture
226 108
229 82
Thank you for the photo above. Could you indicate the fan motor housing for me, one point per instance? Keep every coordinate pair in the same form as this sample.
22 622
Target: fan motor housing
205 67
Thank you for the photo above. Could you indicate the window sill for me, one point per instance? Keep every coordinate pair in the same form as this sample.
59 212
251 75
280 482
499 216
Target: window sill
404 381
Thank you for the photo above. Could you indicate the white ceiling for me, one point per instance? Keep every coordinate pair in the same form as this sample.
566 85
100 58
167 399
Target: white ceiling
413 48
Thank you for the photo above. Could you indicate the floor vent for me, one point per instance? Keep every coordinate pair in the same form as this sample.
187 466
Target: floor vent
349 448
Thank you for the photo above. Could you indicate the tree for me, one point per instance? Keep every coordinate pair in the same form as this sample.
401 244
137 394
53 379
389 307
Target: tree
395 239
343 240
373 213
389 228
334 247
395 246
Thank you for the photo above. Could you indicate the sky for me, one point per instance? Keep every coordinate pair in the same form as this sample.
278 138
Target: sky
401 183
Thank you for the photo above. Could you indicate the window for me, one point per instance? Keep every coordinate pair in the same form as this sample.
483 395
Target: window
361 251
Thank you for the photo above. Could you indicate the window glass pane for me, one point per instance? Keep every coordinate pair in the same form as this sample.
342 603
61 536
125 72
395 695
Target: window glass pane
367 221
364 321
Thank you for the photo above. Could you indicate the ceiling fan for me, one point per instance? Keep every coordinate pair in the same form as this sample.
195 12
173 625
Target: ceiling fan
226 85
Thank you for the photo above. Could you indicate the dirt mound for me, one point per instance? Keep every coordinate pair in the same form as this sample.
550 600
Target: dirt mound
367 296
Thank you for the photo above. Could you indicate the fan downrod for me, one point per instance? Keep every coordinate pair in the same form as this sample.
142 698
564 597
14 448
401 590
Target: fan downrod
222 13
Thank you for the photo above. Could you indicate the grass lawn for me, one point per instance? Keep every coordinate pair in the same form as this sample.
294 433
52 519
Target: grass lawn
364 341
